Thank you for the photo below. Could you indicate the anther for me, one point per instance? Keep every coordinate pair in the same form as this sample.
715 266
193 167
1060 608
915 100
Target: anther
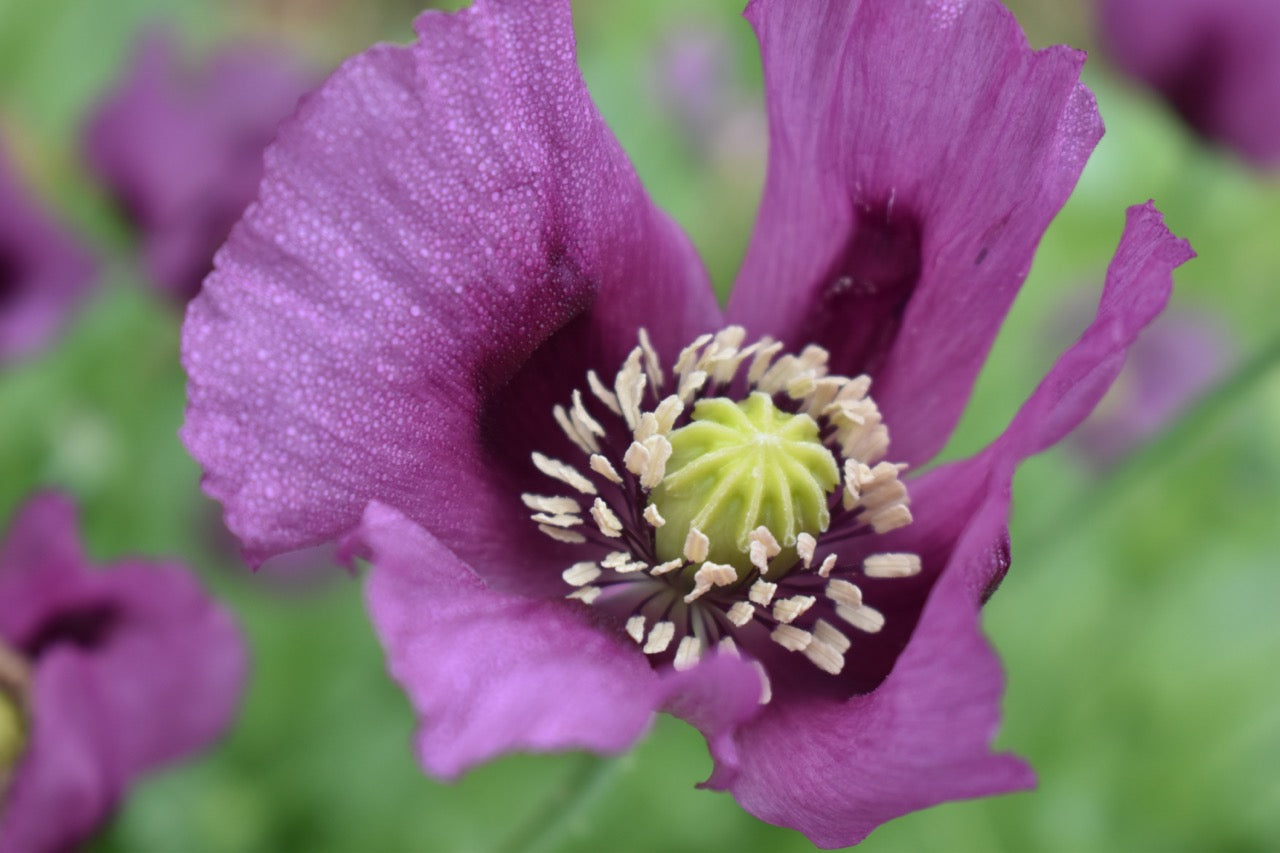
688 653
603 394
740 613
604 468
696 546
605 519
566 474
863 618
654 517
581 574
660 636
709 575
761 592
844 592
891 565
787 610
586 594
554 506
791 638
635 628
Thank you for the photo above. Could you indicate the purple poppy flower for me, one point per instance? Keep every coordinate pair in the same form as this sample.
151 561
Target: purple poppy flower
426 329
1214 60
103 675
181 149
44 272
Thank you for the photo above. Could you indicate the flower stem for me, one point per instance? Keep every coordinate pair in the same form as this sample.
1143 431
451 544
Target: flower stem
561 814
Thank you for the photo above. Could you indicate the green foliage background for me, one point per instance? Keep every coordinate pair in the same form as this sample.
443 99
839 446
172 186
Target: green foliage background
1138 623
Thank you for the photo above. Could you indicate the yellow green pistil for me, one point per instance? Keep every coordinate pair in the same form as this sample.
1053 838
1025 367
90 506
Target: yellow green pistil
13 732
740 466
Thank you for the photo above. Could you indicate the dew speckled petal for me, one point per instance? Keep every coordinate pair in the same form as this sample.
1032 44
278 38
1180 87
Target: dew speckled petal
917 153
433 220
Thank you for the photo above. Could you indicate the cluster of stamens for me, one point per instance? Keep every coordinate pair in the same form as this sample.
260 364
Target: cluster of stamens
703 517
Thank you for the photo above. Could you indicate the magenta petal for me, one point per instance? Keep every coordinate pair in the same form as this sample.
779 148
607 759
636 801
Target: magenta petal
836 770
132 667
1215 61
44 272
917 155
429 218
67 770
488 672
181 149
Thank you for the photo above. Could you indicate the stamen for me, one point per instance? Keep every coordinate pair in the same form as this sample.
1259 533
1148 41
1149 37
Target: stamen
689 355
564 520
667 413
761 592
566 474
891 565
581 574
604 468
614 559
787 610
831 635
660 636
688 653
696 546
763 547
863 618
584 440
824 571
562 535
728 646
805 546
605 519
764 356
603 394
668 566
587 594
791 638
824 656
740 613
652 366
630 388
555 506
690 384
844 592
635 628
709 575
586 424
654 517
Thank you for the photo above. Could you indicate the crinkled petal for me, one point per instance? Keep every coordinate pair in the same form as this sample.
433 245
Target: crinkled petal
45 273
434 220
1214 60
489 672
181 149
917 153
836 770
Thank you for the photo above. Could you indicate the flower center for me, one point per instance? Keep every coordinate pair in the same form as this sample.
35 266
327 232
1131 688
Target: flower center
740 466
707 504
13 719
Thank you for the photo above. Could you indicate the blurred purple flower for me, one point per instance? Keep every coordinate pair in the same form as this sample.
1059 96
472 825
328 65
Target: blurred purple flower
44 272
1216 61
103 675
695 77
181 149
1181 356
448 239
